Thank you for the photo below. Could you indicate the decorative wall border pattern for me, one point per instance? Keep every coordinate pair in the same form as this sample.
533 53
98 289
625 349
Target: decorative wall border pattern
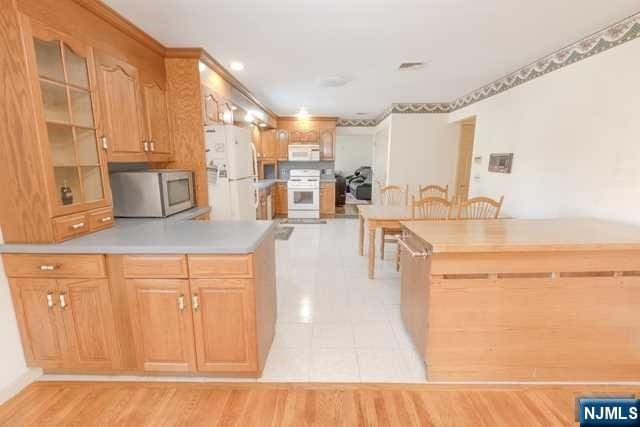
612 36
356 122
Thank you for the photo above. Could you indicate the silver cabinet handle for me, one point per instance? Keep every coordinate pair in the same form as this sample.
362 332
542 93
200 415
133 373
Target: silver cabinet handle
181 302
105 219
78 225
63 300
50 299
195 302
153 145
146 146
104 142
411 252
48 267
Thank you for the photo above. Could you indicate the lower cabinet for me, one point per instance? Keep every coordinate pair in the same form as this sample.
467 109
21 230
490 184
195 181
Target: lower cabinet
327 199
66 323
282 199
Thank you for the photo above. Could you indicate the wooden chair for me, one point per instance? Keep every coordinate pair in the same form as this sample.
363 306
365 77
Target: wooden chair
480 208
392 195
433 191
428 208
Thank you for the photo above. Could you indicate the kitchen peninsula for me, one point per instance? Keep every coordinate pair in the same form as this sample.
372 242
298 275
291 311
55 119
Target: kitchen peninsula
523 300
148 297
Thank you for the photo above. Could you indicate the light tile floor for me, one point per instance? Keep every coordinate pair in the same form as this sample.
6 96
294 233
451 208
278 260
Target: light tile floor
334 324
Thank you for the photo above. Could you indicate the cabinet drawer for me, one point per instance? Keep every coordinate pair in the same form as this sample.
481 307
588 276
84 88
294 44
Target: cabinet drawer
152 266
65 227
240 266
42 265
100 219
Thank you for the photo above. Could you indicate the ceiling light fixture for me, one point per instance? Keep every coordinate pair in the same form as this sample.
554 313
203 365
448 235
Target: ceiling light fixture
236 66
248 117
263 125
303 114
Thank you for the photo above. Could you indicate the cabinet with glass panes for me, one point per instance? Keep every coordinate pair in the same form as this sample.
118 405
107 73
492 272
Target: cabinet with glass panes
75 164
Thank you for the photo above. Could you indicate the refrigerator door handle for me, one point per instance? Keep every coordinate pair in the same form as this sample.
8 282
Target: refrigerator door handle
254 156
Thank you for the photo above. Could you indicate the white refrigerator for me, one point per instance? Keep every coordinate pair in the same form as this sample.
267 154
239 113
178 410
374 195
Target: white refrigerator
232 172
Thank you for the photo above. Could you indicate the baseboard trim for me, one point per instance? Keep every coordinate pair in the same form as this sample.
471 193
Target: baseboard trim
14 387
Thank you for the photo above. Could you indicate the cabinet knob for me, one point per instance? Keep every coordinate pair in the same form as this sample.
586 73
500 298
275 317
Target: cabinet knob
152 145
77 226
50 299
104 142
48 267
105 219
181 302
63 300
195 302
146 146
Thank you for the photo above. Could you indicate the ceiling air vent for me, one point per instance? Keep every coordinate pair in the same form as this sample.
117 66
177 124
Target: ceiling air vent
410 66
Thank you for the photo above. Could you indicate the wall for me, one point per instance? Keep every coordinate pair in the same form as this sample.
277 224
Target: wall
354 148
380 156
575 135
423 150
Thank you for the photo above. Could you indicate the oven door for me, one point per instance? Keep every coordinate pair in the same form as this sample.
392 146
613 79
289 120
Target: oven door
303 198
177 192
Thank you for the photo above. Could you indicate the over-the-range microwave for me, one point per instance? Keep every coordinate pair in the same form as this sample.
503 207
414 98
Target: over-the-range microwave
304 152
152 193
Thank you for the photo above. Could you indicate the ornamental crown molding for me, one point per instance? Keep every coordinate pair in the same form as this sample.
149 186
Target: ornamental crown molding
612 36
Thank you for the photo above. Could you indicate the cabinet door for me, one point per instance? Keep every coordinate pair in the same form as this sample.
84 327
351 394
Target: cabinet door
327 144
61 70
40 321
158 135
327 199
88 318
269 145
162 324
283 144
256 140
225 325
119 85
282 205
211 109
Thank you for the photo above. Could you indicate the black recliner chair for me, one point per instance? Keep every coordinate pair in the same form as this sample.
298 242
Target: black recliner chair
359 184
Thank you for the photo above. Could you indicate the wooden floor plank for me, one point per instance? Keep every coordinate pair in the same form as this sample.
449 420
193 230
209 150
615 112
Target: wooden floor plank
244 404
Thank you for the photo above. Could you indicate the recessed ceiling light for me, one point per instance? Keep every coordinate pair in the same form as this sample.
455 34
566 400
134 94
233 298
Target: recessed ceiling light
411 65
303 114
236 66
333 81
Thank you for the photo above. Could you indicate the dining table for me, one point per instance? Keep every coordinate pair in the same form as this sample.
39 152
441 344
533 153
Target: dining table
373 217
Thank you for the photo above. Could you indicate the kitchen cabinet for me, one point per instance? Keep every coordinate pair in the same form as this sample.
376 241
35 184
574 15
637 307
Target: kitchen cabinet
327 199
256 140
157 123
73 163
122 116
162 324
327 138
262 211
282 201
211 108
269 145
223 325
65 320
304 136
282 139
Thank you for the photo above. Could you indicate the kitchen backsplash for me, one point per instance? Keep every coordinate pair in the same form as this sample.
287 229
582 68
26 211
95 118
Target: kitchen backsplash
326 168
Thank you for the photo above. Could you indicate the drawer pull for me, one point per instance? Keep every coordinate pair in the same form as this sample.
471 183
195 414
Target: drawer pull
63 301
78 225
411 252
196 302
152 145
50 299
106 219
181 302
48 267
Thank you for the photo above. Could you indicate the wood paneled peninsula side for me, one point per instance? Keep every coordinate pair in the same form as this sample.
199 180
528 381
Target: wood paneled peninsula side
152 297
525 300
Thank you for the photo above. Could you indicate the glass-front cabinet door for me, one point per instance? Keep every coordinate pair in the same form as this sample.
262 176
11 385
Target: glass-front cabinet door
62 72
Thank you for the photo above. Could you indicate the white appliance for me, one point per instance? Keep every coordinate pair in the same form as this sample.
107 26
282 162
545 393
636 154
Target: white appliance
232 169
304 152
303 189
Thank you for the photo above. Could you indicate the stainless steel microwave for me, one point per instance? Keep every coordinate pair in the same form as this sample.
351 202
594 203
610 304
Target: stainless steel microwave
152 193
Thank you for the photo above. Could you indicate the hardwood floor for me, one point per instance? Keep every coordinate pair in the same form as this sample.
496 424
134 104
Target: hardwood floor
157 403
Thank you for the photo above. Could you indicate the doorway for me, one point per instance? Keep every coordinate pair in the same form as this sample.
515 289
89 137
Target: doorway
465 154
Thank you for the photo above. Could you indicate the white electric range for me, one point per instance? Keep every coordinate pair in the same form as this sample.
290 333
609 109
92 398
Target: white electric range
303 188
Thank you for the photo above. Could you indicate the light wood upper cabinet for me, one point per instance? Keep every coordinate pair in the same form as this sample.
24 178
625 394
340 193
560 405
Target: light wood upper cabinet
224 325
211 109
282 140
157 123
304 136
40 321
119 85
327 138
88 318
61 71
269 145
162 324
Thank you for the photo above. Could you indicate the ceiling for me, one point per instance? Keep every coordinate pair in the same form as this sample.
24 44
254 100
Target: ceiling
288 45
